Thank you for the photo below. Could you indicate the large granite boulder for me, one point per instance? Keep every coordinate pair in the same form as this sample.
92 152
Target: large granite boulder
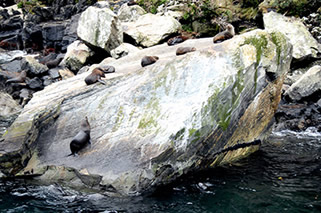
130 13
308 84
150 29
100 27
303 42
153 124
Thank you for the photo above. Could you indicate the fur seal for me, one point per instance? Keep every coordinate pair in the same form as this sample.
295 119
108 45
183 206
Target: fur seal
54 63
95 76
176 40
82 138
131 3
147 60
184 50
107 69
226 34
19 79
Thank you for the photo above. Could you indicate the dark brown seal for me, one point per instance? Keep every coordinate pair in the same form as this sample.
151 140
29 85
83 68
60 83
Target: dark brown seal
82 138
184 50
176 40
19 79
53 63
131 3
147 60
226 34
95 76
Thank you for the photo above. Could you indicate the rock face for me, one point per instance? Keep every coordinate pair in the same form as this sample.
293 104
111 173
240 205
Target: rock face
307 85
9 111
303 42
150 29
151 125
100 27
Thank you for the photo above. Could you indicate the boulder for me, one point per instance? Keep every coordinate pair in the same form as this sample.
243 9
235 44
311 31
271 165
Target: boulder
100 27
35 83
150 29
130 13
76 56
66 73
9 111
123 50
303 42
308 84
150 125
33 66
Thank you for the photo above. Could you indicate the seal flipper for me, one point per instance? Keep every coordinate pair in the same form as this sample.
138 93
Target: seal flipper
101 81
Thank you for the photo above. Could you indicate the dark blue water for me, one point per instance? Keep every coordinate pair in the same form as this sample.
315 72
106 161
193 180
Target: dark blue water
284 176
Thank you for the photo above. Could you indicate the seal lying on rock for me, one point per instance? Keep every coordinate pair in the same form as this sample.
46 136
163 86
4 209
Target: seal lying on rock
95 76
226 34
147 60
81 139
131 3
176 40
19 79
184 50
107 69
53 63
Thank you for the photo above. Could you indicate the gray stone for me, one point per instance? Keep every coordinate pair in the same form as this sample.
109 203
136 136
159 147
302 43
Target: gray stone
54 73
130 13
100 27
303 42
9 111
35 83
150 29
308 84
31 64
76 56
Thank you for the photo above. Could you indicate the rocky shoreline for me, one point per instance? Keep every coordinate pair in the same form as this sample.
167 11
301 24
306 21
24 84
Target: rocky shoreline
58 45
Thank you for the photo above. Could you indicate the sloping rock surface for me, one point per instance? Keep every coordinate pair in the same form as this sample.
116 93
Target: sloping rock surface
151 125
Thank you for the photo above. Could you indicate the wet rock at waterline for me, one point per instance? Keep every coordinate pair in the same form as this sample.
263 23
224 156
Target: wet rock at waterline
151 125
101 28
303 42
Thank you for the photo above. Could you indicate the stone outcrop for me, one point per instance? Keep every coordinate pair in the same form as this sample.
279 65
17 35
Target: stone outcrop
308 84
100 27
304 44
150 29
9 111
151 125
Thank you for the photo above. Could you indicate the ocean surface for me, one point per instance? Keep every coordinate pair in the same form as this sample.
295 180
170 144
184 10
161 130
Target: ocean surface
283 176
